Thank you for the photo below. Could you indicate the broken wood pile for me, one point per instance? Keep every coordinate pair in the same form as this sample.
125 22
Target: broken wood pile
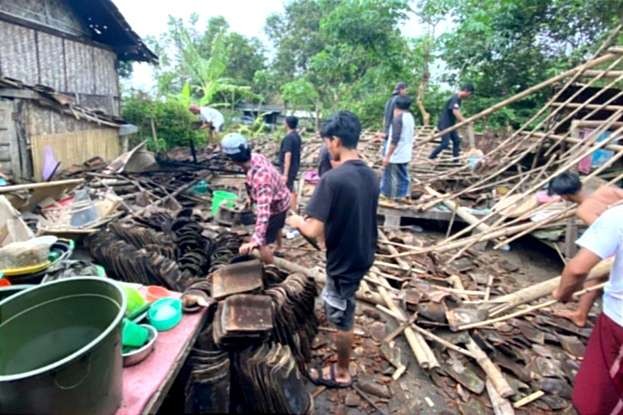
470 326
506 182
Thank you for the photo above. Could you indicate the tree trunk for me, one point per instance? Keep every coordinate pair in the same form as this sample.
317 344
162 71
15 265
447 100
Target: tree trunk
423 86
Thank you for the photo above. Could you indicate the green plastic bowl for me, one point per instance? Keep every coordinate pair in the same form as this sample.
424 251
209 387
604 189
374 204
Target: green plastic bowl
221 197
133 335
165 313
135 299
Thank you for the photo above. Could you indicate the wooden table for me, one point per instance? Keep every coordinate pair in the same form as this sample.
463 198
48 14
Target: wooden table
146 385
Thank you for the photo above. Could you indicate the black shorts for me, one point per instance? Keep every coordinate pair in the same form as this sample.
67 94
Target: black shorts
275 225
340 303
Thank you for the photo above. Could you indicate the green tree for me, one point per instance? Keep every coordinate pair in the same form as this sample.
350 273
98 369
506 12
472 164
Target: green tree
218 63
504 47
351 56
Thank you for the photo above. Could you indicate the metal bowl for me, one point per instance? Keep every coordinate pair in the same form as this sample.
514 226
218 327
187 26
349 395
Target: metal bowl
136 356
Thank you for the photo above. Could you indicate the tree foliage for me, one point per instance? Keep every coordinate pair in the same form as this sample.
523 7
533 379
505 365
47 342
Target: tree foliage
349 54
504 47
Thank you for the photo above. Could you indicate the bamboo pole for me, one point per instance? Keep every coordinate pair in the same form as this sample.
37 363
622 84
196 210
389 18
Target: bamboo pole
321 278
494 374
521 95
500 405
564 214
460 211
32 186
536 291
423 354
423 332
459 244
573 140
392 250
528 399
517 158
526 310
576 159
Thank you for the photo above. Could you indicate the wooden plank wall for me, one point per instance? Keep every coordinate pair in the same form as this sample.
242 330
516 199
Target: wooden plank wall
71 67
75 147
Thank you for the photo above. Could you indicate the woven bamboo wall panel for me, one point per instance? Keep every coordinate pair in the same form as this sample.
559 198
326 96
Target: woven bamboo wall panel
19 55
51 61
75 147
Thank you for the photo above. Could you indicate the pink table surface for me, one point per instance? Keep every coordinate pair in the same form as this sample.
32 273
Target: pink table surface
147 383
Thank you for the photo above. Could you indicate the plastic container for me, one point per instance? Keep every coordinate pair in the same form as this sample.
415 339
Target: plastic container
201 188
155 292
135 299
220 197
133 335
132 357
165 313
60 348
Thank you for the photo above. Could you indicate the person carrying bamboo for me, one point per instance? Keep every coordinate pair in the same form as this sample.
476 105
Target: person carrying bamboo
450 113
598 386
590 206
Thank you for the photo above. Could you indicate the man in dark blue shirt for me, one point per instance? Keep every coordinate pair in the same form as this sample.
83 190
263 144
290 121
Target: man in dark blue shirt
290 156
449 115
343 209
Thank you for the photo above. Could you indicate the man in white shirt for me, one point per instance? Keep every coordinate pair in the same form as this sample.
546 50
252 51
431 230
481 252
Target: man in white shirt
210 118
598 386
395 183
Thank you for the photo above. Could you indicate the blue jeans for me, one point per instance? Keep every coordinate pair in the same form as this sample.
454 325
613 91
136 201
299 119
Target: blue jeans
445 143
395 181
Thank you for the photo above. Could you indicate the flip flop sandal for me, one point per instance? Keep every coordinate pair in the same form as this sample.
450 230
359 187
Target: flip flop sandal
330 383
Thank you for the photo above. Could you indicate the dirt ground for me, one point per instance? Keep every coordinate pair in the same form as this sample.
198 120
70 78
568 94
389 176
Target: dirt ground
416 391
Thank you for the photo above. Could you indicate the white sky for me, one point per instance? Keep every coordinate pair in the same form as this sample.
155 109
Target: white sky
149 17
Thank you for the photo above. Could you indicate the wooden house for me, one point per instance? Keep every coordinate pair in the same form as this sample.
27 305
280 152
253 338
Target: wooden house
59 82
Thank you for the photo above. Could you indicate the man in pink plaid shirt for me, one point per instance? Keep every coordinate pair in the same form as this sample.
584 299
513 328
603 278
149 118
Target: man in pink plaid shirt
268 191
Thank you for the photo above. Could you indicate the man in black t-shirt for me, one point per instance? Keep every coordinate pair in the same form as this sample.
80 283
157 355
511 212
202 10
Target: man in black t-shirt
290 156
325 162
449 115
343 209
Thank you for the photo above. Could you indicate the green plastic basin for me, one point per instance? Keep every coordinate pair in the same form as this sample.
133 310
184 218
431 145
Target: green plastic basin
221 197
60 348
